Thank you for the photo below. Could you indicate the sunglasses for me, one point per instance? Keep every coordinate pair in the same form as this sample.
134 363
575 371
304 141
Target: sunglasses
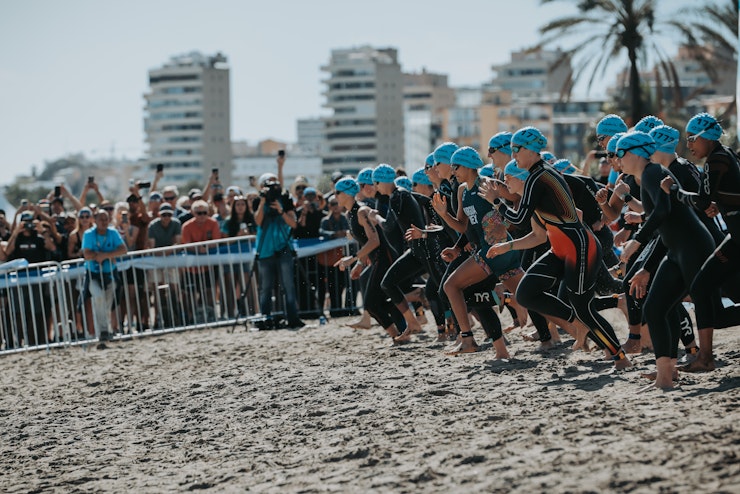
201 213
170 198
165 214
621 152
454 167
83 216
493 150
108 208
611 155
600 138
300 187
516 149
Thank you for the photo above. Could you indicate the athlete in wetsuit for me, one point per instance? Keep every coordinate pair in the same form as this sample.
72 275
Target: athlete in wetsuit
574 253
719 193
687 244
374 250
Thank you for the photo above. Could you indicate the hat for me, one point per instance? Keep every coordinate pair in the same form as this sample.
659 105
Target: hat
444 152
166 207
548 157
564 166
666 138
265 177
611 146
233 188
502 142
467 157
530 138
430 160
516 172
704 125
638 143
309 190
347 186
336 176
193 193
486 171
404 182
610 125
365 177
646 124
155 196
384 174
420 177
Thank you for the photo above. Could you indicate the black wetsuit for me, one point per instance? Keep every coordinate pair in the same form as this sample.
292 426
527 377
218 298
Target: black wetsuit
574 255
375 300
720 184
688 244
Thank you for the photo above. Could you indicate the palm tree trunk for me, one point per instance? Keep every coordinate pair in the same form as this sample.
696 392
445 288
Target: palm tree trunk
636 109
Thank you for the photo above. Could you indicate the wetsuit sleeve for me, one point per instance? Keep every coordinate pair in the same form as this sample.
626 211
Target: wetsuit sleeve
654 252
650 187
526 205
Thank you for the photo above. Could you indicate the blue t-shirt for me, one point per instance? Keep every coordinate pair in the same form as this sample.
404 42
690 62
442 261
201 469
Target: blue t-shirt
94 241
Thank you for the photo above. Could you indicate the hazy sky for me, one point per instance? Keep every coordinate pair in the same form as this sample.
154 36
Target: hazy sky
73 72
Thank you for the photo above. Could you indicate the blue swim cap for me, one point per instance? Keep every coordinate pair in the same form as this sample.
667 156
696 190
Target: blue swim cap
530 138
564 166
666 138
610 125
467 157
385 174
611 146
430 160
704 125
646 124
444 152
515 171
404 182
347 186
486 171
613 176
420 177
309 190
638 143
548 157
501 142
365 177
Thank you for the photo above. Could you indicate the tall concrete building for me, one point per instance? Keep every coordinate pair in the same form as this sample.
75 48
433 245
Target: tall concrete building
532 74
187 118
364 91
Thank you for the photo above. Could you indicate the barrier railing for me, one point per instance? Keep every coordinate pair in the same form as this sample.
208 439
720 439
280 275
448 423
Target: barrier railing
207 284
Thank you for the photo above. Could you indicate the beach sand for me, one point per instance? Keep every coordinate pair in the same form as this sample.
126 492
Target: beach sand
329 408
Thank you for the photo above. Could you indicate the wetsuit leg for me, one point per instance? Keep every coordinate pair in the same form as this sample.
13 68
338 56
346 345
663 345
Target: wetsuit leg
536 287
667 290
490 321
685 325
406 267
723 264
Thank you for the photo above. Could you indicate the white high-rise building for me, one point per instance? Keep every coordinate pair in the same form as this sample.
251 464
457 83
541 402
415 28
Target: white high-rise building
188 120
365 93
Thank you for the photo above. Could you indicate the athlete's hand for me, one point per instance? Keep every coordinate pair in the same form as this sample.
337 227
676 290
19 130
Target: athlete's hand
712 210
638 284
450 254
632 217
439 203
621 237
356 272
666 184
488 190
629 249
413 233
498 249
344 262
602 195
621 188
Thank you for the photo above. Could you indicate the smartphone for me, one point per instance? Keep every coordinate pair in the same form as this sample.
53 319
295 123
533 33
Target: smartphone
160 167
124 217
90 179
214 171
281 153
58 191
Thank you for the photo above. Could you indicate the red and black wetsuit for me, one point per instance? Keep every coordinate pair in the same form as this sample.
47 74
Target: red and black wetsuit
574 255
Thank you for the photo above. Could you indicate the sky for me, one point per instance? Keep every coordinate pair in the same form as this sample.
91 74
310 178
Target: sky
73 73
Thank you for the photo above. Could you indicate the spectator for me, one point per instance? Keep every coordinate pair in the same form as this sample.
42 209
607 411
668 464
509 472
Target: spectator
4 226
309 213
166 231
135 227
333 226
201 282
100 246
299 185
240 223
74 251
155 200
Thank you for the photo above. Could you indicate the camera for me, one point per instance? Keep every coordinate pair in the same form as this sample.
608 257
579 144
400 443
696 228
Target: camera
90 179
160 167
58 191
218 197
271 191
143 185
281 153
29 225
214 171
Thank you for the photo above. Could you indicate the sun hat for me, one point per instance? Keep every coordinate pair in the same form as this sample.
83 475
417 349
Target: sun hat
704 125
265 177
666 138
516 172
529 138
610 125
365 177
486 171
347 186
420 177
444 152
638 143
383 173
501 142
467 157
648 123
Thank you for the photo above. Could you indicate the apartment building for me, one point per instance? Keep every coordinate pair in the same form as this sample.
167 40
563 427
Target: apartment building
426 98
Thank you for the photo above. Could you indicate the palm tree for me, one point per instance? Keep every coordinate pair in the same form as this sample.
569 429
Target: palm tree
604 30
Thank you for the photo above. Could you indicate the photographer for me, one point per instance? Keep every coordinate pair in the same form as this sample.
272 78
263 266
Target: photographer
275 216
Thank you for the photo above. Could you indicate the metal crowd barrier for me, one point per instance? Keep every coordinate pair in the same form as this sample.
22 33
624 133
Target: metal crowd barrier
202 285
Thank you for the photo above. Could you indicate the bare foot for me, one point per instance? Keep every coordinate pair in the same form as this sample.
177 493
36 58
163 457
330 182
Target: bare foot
532 336
699 365
404 337
581 334
622 363
463 347
361 324
654 375
632 346
546 345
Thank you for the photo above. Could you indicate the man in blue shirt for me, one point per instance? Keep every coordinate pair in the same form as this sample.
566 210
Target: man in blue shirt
100 246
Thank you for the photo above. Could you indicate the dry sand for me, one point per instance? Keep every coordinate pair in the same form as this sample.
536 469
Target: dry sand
329 408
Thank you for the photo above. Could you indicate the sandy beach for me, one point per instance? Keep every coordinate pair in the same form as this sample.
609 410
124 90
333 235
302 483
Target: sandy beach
329 408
